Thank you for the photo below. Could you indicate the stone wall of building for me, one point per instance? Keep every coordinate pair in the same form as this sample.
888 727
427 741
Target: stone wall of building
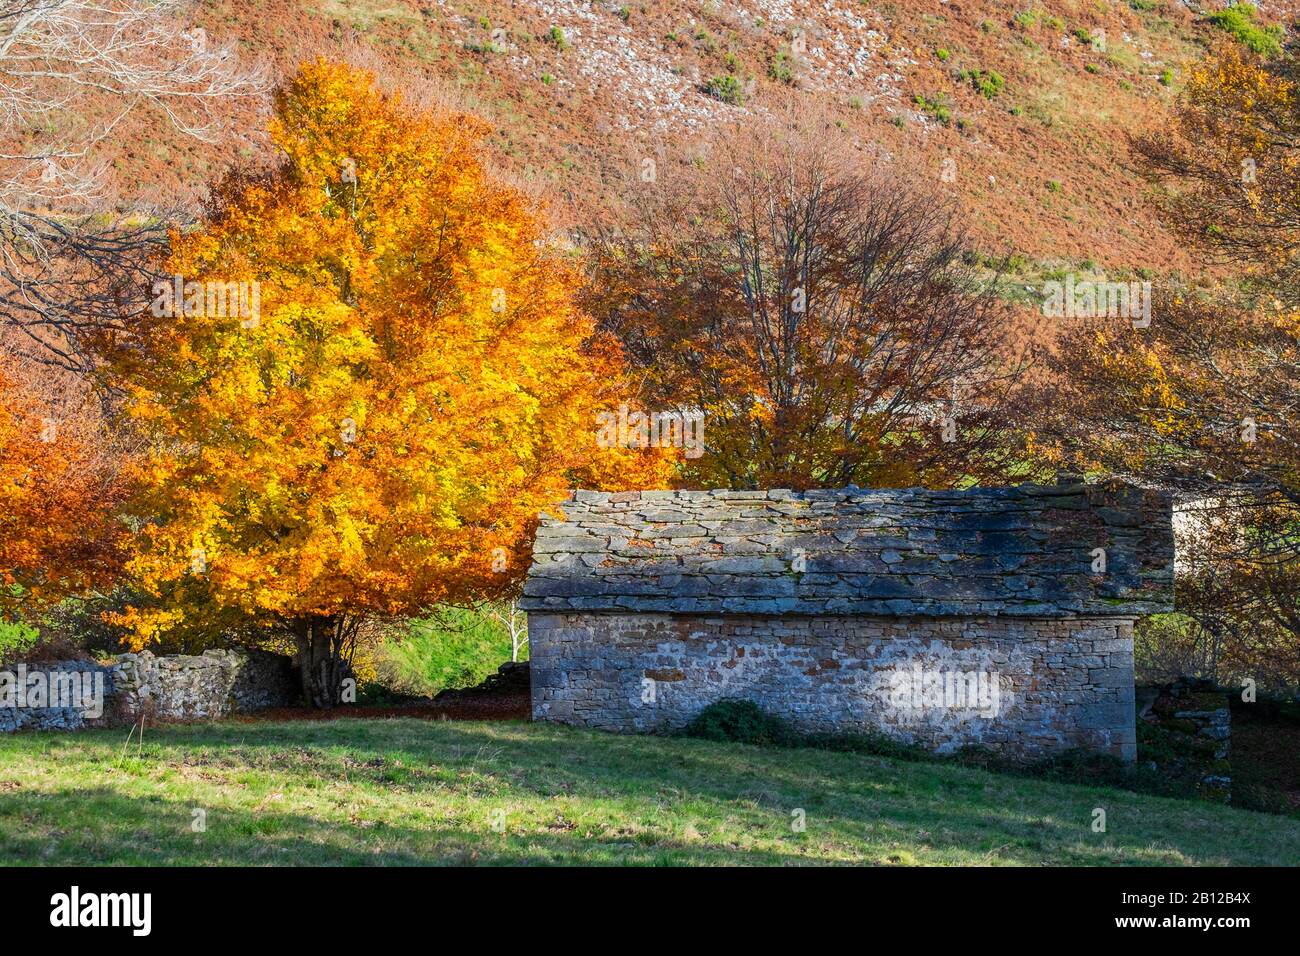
208 686
1018 685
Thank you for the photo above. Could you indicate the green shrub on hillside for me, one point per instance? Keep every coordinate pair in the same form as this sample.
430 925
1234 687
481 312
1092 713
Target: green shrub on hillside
936 107
725 88
1239 20
740 722
781 68
988 83
1026 19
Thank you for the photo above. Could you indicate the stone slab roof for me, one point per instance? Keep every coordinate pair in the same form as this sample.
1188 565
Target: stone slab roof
1027 550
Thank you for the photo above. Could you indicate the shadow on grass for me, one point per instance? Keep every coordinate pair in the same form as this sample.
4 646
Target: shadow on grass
112 829
645 790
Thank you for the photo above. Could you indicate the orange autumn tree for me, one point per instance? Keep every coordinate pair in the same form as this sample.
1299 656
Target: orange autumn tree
1225 167
363 383
58 489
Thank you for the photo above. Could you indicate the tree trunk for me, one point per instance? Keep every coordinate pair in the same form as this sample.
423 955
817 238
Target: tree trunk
321 664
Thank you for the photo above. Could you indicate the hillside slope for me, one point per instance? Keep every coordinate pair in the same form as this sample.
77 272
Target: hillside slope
581 94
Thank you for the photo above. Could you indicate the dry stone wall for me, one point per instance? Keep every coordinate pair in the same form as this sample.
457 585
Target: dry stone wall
203 687
74 694
66 695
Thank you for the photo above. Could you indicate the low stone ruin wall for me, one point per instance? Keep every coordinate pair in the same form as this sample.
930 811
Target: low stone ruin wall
70 695
66 695
1199 716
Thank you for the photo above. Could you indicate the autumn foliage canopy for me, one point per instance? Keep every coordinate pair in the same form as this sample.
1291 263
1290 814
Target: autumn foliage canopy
416 386
821 317
58 488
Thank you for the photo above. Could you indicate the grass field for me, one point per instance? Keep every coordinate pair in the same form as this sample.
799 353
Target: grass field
423 792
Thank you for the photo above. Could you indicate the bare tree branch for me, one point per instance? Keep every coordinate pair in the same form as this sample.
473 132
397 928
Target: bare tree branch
80 68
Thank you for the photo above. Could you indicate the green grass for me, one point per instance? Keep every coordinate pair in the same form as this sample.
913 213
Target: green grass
367 14
415 792
453 647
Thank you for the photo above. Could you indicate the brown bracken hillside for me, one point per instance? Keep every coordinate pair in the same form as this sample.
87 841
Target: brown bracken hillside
1021 109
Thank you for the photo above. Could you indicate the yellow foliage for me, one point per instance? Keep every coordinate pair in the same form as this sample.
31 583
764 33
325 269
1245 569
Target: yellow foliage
416 386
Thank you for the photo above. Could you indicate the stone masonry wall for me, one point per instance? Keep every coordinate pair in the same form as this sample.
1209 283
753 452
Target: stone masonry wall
173 687
28 713
202 687
1048 684
1028 551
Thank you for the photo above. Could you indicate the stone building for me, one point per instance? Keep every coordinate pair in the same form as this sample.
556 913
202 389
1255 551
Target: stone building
998 617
